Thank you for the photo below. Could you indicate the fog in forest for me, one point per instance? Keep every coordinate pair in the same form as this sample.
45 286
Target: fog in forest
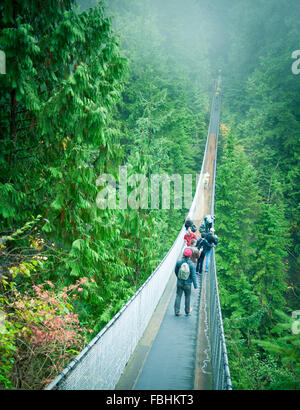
193 32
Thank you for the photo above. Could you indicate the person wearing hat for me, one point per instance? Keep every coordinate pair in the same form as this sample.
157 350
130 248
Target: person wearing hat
186 275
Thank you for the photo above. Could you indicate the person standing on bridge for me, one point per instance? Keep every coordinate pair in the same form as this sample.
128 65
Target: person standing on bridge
189 236
206 224
212 240
188 223
203 246
195 252
206 180
185 272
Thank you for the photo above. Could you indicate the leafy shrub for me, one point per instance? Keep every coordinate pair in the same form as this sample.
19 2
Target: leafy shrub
41 334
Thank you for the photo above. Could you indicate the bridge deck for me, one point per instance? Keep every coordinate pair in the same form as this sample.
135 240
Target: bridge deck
165 357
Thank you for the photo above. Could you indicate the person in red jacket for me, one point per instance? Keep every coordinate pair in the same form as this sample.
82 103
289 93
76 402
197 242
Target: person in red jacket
189 236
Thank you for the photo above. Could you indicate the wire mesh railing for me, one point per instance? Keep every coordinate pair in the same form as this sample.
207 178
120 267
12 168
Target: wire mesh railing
219 358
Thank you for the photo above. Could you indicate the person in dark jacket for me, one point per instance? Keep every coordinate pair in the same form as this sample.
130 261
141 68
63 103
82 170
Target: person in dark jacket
206 224
212 240
203 246
185 285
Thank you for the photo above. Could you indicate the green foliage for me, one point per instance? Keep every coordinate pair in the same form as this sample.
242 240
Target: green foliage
70 112
7 349
64 77
237 205
275 366
261 107
38 331
74 106
164 109
285 345
40 334
251 267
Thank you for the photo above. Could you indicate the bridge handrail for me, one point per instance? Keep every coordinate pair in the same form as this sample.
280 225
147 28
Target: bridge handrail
219 356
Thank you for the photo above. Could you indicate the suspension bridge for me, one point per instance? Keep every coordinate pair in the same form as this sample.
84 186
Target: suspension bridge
145 346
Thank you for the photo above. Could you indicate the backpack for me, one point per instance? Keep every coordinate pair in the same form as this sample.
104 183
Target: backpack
206 245
208 222
202 228
203 243
208 219
184 271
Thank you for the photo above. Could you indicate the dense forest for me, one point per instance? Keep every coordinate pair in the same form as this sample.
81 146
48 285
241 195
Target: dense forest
127 85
